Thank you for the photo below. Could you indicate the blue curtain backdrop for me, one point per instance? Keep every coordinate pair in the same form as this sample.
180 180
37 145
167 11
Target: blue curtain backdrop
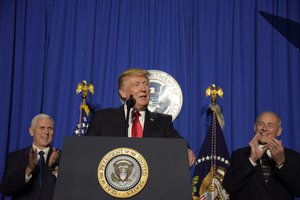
48 46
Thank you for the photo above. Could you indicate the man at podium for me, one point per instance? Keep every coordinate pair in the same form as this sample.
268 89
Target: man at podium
133 119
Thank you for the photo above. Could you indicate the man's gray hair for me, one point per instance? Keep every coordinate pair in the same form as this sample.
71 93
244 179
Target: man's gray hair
270 112
42 115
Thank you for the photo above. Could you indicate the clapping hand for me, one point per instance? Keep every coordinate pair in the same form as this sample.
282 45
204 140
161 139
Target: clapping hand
32 161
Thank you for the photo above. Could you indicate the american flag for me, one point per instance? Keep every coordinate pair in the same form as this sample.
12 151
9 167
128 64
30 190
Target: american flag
83 123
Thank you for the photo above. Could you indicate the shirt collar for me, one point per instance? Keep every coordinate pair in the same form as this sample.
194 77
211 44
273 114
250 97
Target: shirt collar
46 150
260 146
142 112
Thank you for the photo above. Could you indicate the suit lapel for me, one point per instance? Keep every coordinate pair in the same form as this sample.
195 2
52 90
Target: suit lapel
46 173
148 124
122 121
26 154
111 123
258 170
49 154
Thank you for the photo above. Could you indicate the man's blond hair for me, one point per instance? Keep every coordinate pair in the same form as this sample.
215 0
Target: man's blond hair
130 73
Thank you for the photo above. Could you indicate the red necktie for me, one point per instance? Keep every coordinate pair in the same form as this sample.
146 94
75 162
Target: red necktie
137 130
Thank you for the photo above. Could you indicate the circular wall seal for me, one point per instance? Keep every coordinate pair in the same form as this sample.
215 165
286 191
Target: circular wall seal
165 94
123 172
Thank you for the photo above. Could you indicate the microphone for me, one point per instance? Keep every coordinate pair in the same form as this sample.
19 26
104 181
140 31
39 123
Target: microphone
130 104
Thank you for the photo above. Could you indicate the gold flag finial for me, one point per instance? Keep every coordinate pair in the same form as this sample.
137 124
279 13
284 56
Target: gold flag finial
213 91
85 88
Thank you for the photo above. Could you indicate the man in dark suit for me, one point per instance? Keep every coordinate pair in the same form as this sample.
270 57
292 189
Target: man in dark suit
30 173
266 169
112 122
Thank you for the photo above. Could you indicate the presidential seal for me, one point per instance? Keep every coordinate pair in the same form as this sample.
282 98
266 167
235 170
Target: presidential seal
165 94
123 172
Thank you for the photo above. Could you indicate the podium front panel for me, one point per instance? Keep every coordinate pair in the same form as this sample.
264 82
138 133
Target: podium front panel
167 163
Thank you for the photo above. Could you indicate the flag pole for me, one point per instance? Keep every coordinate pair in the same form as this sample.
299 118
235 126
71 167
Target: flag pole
213 91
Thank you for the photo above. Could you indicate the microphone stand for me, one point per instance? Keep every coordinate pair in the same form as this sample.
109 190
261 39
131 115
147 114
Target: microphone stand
130 104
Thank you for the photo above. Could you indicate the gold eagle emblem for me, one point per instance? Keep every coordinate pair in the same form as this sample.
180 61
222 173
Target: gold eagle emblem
84 87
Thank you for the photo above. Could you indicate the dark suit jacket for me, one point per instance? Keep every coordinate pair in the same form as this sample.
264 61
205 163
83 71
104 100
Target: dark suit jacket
13 182
111 122
243 181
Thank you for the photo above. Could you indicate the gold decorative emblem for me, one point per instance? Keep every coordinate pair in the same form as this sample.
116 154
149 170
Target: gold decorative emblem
84 87
213 91
165 94
211 186
123 172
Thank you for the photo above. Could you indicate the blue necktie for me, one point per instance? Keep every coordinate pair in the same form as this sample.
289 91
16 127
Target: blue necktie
41 164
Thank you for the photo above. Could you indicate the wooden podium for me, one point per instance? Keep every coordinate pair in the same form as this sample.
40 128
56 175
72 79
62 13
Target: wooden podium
167 160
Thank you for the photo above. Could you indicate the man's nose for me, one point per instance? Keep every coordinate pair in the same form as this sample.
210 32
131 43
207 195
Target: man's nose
143 87
47 131
265 127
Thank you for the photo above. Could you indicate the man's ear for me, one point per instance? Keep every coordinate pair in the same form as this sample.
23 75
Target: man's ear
31 131
122 93
279 131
